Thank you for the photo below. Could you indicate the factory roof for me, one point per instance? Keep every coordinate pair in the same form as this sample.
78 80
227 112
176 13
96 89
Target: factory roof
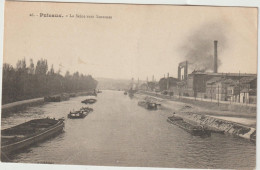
213 80
222 74
221 80
245 80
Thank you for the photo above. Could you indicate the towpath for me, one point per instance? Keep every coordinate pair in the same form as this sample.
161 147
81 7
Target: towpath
23 102
247 119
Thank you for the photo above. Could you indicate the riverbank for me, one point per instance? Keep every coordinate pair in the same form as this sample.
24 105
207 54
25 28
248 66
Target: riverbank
234 123
208 104
19 105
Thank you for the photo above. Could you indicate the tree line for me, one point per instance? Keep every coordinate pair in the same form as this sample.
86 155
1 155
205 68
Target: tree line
27 82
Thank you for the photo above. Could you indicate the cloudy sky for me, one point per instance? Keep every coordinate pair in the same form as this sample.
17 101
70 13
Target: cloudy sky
139 40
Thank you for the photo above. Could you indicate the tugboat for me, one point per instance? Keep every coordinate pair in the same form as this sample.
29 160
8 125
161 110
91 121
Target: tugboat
28 133
148 105
77 115
192 129
89 101
80 114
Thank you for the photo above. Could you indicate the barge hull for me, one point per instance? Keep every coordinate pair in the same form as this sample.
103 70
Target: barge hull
195 132
7 149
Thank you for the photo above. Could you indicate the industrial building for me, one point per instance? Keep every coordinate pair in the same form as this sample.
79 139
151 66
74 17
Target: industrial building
217 86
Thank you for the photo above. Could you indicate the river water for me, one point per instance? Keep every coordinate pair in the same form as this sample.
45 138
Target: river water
120 133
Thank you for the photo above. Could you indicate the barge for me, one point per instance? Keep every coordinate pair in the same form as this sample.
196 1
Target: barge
28 133
91 93
82 113
192 129
148 105
57 98
77 115
89 101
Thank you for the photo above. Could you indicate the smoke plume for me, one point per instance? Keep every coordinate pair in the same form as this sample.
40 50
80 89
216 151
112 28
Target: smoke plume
199 47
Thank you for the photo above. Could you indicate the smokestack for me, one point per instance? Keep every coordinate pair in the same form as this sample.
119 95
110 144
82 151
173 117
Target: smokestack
215 56
186 70
179 72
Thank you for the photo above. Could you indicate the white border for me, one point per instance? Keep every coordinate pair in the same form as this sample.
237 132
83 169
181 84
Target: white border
238 3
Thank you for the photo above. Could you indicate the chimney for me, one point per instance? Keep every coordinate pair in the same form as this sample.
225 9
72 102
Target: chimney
186 70
179 72
215 56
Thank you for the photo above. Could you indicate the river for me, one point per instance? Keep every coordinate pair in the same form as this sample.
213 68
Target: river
120 133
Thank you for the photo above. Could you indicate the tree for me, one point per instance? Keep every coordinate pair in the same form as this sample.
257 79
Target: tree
31 67
31 82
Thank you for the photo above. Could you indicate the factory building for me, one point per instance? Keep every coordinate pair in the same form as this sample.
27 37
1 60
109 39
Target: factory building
217 86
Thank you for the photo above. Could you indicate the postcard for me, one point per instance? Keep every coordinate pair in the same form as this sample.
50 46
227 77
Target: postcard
129 85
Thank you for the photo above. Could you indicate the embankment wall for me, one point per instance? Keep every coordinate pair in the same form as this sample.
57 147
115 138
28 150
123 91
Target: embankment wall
15 106
19 105
206 104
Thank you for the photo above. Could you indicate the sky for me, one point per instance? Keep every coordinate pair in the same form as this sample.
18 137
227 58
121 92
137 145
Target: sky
139 40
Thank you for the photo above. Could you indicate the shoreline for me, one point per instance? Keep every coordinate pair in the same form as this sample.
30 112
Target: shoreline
230 124
19 105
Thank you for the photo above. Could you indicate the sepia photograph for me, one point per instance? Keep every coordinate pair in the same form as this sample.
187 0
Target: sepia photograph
129 85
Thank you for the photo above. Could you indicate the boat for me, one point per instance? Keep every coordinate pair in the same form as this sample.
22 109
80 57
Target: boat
91 93
77 115
192 129
26 134
89 101
82 113
148 105
131 95
57 98
125 93
253 137
131 91
99 91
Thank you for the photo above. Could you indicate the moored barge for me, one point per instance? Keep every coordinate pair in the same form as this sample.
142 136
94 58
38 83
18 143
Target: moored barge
89 101
148 105
192 129
28 133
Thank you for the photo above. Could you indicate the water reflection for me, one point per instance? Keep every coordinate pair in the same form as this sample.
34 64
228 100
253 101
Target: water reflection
120 133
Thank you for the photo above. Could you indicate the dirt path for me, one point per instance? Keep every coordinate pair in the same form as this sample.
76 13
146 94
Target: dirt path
248 119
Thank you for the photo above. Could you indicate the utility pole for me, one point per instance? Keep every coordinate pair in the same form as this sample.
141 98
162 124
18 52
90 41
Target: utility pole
218 95
239 87
167 81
